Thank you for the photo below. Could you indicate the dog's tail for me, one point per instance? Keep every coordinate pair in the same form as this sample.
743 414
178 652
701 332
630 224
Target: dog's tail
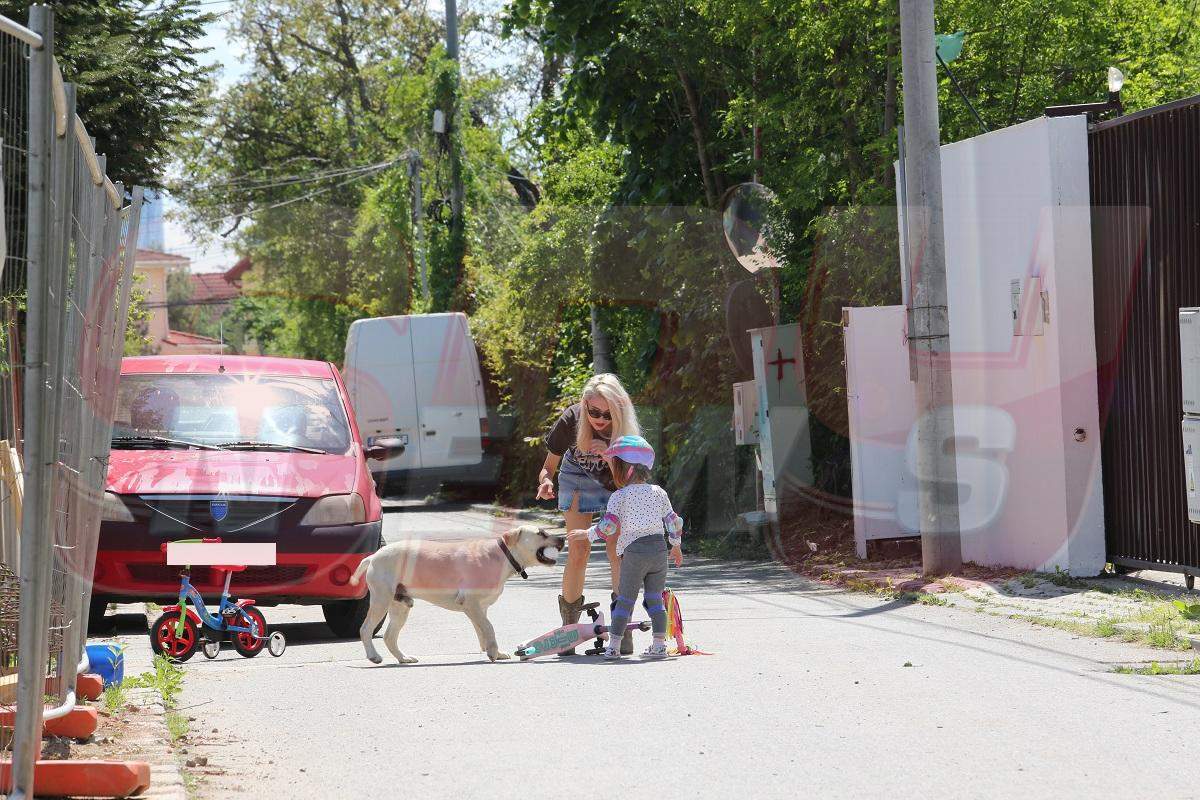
358 573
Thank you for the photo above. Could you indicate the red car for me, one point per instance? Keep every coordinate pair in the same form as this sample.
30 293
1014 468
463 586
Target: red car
247 449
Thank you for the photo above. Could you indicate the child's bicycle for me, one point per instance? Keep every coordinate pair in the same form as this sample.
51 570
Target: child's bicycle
181 630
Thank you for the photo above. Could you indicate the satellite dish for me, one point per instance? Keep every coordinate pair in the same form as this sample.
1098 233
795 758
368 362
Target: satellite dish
746 219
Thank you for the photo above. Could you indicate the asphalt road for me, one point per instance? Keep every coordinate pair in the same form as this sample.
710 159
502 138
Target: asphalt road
808 691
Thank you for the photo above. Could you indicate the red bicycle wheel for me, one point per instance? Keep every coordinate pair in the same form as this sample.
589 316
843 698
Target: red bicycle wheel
175 645
246 644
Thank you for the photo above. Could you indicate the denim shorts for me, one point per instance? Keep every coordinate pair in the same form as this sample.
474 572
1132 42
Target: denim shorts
593 497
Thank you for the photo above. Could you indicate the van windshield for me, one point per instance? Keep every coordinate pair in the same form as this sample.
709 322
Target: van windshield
235 412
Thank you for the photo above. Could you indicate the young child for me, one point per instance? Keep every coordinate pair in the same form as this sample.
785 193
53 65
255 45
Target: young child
638 515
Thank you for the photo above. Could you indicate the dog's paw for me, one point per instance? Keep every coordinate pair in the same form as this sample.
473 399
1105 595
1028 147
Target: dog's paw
498 656
376 659
407 660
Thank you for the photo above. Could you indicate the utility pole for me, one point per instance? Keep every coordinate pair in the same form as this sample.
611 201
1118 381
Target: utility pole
928 313
418 219
458 232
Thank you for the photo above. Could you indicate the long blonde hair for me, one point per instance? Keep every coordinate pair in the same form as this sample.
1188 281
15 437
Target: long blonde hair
624 418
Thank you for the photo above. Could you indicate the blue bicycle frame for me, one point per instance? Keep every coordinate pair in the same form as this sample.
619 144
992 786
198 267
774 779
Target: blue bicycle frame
217 623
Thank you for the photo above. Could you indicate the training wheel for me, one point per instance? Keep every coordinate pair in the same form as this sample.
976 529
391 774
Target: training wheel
211 649
276 644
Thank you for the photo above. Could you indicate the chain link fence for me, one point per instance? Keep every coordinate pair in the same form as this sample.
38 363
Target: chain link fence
69 245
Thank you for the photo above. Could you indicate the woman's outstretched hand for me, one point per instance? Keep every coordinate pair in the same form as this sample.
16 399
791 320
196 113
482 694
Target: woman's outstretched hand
545 489
577 534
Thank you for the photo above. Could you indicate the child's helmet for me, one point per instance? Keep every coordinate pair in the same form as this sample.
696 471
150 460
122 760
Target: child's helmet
632 450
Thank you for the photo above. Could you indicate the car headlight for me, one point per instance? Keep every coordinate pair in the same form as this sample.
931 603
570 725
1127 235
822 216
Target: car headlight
114 510
336 509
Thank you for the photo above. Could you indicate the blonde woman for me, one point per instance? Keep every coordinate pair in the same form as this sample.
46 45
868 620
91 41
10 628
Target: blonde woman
575 445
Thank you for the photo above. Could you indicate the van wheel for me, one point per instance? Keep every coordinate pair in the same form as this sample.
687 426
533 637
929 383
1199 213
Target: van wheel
345 617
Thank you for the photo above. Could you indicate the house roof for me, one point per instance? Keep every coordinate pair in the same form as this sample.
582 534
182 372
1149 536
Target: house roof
239 269
209 287
215 287
181 337
158 257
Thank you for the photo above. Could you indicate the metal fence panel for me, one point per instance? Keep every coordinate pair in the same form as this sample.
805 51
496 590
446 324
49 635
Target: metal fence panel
69 245
1145 175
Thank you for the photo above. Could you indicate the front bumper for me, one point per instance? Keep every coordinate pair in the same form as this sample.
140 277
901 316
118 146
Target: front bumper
313 565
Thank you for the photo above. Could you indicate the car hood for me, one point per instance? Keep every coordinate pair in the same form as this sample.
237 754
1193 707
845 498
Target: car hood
231 472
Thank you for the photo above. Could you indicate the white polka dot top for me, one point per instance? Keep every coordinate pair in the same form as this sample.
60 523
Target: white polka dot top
638 510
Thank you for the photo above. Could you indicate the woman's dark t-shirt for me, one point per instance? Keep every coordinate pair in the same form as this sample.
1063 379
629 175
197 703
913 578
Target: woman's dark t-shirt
560 440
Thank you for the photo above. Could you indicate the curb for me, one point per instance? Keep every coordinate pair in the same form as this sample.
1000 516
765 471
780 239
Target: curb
166 778
519 513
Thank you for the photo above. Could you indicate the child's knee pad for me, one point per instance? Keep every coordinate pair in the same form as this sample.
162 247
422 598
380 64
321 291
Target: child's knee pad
654 606
621 606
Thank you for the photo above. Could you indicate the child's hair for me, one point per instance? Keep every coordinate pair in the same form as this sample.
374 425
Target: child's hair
625 473
620 406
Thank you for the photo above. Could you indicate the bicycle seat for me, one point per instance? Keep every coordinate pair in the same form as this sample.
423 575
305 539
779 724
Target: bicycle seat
229 567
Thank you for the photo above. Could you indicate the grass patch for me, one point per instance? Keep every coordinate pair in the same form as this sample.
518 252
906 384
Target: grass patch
166 678
951 585
115 699
1162 634
1179 668
190 783
1105 628
177 726
924 598
1029 579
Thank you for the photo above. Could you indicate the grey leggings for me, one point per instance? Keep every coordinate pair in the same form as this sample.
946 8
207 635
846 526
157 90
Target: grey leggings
643 565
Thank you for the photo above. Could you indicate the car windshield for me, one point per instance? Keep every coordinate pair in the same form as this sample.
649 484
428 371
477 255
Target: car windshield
164 412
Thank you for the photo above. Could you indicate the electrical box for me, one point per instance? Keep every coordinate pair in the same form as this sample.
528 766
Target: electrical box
745 413
1191 462
786 449
1189 358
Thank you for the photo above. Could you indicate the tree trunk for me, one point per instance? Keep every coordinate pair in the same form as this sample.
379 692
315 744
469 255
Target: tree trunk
711 192
602 359
890 92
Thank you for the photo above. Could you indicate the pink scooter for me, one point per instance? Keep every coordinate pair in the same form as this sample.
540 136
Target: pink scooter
568 636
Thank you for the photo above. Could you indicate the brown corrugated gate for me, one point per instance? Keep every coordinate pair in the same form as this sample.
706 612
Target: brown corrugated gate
1145 189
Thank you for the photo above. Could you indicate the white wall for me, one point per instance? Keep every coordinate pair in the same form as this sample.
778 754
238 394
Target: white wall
1016 207
882 407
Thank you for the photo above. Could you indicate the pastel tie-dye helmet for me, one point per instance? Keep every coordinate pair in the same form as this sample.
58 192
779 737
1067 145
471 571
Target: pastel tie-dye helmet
632 450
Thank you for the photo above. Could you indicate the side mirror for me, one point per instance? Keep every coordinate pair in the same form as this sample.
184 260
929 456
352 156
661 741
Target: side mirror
385 448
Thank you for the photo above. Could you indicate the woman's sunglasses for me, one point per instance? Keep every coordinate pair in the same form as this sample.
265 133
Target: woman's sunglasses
597 414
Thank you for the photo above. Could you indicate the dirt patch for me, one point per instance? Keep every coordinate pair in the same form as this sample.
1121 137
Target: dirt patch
816 540
135 734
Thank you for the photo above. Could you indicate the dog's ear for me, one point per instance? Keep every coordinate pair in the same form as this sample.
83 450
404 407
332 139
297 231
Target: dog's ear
511 536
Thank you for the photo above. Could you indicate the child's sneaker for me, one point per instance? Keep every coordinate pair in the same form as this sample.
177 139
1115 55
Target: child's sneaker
612 652
656 650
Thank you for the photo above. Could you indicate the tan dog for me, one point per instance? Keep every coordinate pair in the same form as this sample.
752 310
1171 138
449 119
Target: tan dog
458 576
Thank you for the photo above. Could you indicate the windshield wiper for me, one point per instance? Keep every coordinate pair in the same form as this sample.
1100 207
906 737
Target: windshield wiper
250 445
135 441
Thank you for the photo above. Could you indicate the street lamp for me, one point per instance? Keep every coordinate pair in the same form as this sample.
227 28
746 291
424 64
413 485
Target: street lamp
1116 81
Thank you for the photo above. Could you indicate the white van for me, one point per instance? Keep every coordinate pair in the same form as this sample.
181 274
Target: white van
417 377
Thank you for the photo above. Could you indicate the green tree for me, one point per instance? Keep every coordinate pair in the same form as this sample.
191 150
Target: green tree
140 83
305 163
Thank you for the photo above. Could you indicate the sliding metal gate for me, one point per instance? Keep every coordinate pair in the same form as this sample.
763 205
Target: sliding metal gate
1145 189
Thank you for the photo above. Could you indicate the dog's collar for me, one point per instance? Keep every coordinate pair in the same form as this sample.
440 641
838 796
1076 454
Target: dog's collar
508 554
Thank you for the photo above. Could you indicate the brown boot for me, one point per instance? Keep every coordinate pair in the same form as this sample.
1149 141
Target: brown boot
570 612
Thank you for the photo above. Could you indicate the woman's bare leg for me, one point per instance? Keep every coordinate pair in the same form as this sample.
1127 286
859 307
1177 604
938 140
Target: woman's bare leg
577 553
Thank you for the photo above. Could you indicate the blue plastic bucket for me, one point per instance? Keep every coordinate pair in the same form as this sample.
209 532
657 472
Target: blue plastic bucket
107 661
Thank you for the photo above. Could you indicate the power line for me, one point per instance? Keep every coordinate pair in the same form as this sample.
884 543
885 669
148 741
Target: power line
249 214
290 180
